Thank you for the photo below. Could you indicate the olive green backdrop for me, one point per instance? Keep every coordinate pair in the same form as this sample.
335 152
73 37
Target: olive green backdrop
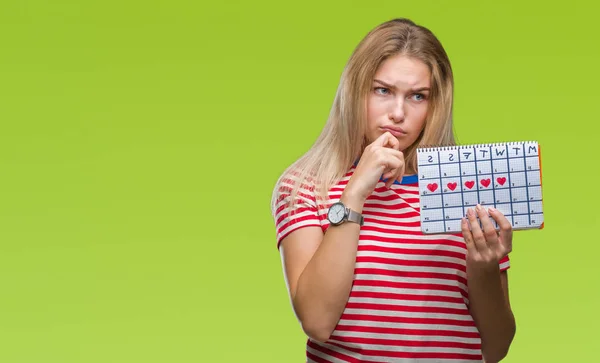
140 141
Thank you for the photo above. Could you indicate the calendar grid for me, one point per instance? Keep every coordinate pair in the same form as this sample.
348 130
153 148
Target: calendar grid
526 184
512 218
476 174
493 178
441 187
454 162
447 176
462 195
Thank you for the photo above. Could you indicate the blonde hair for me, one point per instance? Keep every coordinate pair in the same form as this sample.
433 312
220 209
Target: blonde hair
342 139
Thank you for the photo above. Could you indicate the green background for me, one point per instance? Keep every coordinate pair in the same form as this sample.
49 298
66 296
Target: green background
140 142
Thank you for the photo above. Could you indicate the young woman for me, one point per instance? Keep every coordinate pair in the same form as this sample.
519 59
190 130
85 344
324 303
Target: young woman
364 282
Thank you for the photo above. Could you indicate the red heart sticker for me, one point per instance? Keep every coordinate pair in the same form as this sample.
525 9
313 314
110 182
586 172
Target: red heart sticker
485 182
452 186
501 181
432 187
469 184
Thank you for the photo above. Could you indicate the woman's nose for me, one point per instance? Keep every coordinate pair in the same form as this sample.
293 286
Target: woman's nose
397 112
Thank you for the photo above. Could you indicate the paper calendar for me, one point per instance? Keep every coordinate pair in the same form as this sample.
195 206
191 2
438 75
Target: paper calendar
506 176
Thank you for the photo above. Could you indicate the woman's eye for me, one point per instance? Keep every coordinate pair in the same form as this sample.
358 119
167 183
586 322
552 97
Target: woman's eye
419 97
381 90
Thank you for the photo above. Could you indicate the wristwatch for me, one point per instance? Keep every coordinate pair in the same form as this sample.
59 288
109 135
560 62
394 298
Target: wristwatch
339 213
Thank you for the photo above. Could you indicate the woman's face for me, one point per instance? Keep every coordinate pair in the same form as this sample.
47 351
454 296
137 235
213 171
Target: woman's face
398 100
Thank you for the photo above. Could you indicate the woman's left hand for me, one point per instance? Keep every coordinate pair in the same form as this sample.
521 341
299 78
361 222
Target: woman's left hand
485 245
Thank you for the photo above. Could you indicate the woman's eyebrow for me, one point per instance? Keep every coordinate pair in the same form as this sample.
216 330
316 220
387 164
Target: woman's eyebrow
419 89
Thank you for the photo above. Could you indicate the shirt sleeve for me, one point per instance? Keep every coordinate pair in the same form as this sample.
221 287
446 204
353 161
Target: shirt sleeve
302 212
505 263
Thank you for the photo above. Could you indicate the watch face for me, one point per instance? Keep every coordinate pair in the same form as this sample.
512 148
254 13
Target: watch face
336 213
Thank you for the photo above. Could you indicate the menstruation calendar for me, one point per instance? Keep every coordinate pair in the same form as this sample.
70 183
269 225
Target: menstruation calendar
507 176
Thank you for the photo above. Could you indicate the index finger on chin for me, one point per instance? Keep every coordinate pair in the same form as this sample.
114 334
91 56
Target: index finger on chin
392 142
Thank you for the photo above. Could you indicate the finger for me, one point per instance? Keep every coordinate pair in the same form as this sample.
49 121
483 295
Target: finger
400 173
392 143
394 165
399 167
387 177
402 169
389 182
478 237
489 232
386 140
468 236
503 224
392 175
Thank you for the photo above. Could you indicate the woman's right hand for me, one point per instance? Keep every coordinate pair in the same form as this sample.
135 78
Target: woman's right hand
380 158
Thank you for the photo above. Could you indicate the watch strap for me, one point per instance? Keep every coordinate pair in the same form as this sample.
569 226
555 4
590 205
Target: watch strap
355 217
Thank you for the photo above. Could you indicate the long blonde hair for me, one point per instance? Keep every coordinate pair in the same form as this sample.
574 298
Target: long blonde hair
342 139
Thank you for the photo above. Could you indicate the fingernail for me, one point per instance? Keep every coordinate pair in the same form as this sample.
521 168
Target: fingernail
492 209
469 211
478 207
